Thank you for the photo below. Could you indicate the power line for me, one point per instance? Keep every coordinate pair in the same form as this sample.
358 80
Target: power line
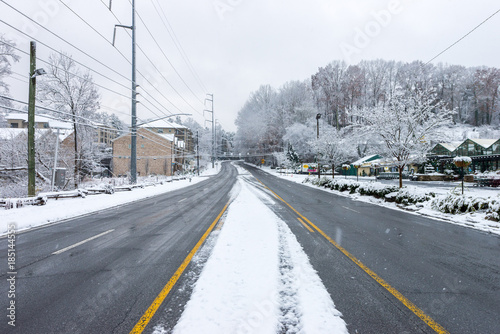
467 34
144 77
163 76
178 45
62 39
59 52
168 60
54 110
98 85
64 70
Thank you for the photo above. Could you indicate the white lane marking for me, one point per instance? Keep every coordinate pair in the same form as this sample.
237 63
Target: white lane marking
182 200
81 242
345 207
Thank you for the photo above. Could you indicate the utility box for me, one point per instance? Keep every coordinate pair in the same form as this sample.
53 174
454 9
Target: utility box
60 179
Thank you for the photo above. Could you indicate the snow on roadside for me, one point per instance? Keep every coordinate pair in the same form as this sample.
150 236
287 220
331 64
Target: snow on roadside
65 208
258 279
474 220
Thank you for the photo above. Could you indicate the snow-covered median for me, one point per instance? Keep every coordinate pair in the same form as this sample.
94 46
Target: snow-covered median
258 278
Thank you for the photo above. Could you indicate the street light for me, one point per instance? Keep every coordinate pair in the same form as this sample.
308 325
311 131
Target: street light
318 116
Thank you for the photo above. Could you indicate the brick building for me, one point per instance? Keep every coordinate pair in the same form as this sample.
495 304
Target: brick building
181 132
154 153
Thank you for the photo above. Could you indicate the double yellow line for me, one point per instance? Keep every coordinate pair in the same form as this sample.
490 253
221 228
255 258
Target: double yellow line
150 312
412 307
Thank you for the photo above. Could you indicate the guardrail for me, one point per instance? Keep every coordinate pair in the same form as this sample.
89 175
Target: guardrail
11 203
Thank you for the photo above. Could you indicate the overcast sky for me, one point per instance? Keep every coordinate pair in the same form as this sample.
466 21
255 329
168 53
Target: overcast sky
234 46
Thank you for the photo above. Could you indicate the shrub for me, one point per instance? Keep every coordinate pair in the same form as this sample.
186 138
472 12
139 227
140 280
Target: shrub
453 203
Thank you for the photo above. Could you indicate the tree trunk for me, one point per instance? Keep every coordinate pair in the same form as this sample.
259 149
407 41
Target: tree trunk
333 171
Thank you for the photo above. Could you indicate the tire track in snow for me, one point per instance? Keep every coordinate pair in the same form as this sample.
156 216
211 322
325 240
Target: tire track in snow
289 321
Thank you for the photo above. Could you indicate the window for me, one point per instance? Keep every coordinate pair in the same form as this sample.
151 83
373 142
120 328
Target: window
14 125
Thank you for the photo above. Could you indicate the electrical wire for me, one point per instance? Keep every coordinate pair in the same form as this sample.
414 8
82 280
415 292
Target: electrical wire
168 60
91 81
460 39
62 39
178 45
58 52
145 77
151 96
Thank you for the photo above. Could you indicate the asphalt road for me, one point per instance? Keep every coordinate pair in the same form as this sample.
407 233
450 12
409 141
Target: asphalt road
107 283
450 273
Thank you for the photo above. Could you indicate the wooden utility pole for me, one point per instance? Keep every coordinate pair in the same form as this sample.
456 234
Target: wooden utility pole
31 121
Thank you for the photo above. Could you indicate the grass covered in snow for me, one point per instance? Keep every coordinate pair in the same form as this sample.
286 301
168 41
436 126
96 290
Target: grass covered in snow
65 208
478 208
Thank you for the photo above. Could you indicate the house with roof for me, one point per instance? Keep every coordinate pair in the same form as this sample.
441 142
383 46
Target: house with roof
20 121
181 132
444 149
485 153
366 165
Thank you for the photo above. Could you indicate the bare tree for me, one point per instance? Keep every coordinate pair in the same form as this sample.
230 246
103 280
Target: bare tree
66 88
7 56
330 146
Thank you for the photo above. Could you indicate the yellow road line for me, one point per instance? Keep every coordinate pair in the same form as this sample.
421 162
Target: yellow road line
412 307
305 225
150 312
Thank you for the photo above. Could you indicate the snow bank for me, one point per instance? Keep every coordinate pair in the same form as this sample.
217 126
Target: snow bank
433 202
65 208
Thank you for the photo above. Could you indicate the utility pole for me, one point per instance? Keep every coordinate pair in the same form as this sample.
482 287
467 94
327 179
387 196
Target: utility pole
213 126
318 116
31 121
198 152
133 135
133 139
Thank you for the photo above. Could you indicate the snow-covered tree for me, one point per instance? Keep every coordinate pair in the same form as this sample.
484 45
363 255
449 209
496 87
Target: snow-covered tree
330 146
406 124
299 137
7 56
69 90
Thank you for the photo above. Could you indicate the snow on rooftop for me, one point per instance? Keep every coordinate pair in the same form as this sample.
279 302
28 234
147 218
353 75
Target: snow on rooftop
40 119
485 142
163 123
451 146
364 159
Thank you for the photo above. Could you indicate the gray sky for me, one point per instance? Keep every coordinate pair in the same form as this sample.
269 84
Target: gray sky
235 46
